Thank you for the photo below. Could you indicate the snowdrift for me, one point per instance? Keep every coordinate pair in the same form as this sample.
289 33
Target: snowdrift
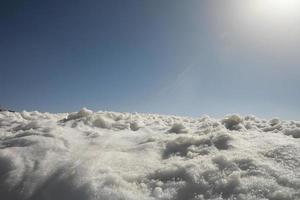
129 156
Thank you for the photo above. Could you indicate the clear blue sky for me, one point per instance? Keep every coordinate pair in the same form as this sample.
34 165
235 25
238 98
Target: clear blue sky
188 57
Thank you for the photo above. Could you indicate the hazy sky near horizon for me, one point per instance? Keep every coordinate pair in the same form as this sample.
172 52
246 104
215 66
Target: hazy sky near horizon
190 57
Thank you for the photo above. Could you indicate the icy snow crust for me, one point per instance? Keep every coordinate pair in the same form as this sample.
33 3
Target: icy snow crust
112 156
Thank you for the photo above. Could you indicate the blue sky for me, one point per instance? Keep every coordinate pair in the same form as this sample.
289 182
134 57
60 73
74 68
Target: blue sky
170 57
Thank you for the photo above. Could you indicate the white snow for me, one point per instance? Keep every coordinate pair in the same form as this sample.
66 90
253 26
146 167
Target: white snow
118 156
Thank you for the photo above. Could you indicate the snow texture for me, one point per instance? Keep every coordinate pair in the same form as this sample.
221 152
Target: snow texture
122 156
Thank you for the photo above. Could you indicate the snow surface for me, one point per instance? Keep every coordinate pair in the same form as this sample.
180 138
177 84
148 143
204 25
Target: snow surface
112 156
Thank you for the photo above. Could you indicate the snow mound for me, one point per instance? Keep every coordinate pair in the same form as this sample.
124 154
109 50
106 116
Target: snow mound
178 128
293 132
90 155
84 112
232 122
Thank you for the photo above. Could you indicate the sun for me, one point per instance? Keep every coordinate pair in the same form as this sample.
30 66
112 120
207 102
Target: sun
277 9
266 27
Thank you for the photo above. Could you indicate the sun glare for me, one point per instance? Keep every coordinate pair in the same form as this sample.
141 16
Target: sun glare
267 27
277 9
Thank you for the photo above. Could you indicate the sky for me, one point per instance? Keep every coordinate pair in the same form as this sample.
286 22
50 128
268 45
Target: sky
190 58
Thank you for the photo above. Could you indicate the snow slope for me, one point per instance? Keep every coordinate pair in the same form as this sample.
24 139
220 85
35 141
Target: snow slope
112 156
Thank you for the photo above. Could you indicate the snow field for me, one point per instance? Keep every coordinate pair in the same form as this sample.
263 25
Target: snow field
112 156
